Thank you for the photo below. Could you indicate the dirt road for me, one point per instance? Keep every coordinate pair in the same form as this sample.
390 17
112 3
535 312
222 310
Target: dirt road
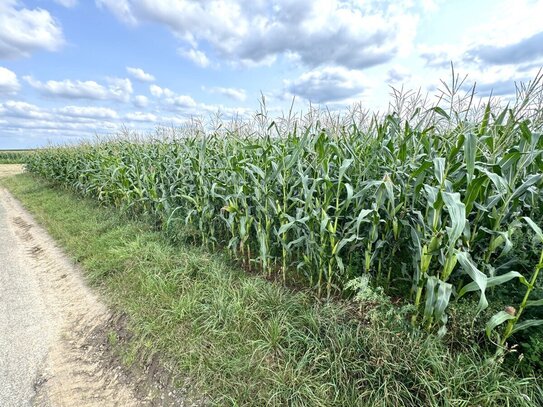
46 316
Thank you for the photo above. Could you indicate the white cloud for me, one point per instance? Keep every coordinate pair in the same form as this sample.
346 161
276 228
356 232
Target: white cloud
508 24
232 93
8 81
440 56
24 110
118 89
53 123
121 9
141 101
318 32
499 80
187 106
157 91
430 6
183 101
18 109
67 3
173 99
140 75
397 75
22 121
69 89
507 35
23 31
525 50
196 56
88 112
329 84
141 117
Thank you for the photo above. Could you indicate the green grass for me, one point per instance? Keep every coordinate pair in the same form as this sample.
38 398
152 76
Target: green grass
243 340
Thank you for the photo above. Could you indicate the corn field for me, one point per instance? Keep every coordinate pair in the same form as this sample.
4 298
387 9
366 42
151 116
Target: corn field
425 201
13 156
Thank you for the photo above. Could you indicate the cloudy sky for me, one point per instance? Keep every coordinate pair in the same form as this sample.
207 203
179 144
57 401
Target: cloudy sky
72 68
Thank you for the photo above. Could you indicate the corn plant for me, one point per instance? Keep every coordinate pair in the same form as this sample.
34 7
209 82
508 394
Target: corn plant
425 200
510 314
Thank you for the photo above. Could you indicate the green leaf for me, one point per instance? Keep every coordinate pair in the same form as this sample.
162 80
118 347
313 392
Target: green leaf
499 182
532 179
493 281
423 167
344 166
190 199
457 213
534 303
470 149
431 283
473 191
444 292
350 193
525 131
535 228
361 216
509 160
476 275
484 122
416 243
497 319
527 324
441 112
439 169
324 221
285 227
342 243
295 242
389 185
431 194
256 170
454 150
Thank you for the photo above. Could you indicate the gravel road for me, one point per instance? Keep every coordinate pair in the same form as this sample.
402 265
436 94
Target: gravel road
26 331
46 316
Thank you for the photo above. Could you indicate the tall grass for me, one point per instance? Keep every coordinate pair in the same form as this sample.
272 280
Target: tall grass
425 201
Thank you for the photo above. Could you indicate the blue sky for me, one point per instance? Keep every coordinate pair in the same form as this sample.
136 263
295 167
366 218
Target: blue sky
70 69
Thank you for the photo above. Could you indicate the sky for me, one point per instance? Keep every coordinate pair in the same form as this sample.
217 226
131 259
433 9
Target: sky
71 69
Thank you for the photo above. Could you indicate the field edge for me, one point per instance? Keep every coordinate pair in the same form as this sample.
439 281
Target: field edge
243 340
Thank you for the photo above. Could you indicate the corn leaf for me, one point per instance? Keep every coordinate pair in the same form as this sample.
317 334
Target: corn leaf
496 320
476 275
534 303
457 213
534 227
470 149
527 324
493 281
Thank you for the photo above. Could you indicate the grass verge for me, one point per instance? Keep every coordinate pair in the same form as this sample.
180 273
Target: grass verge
246 341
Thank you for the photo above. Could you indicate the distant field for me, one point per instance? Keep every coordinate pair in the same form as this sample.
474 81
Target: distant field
13 156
